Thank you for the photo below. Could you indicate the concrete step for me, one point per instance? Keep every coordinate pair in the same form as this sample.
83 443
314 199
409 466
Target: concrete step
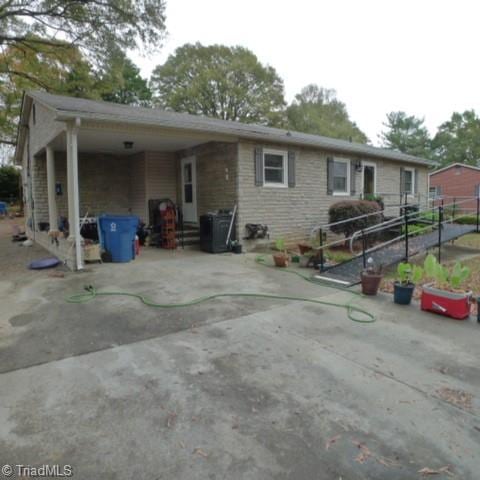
187 233
188 241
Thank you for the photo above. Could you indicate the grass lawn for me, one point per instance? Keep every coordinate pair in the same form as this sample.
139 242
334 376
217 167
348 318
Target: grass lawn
472 240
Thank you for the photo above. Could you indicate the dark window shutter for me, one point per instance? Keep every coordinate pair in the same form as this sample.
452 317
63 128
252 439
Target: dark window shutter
415 187
258 166
352 177
291 169
402 180
329 176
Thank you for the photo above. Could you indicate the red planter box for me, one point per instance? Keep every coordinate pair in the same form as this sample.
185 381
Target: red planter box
450 304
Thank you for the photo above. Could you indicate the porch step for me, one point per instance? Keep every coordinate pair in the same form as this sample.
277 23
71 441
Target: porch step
187 242
187 233
191 235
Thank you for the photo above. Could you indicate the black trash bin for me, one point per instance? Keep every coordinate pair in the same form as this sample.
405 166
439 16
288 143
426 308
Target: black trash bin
214 231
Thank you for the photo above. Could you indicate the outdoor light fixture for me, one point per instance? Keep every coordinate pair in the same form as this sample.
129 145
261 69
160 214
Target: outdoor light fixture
128 145
358 166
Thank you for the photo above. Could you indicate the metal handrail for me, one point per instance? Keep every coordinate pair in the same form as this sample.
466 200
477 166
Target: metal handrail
404 219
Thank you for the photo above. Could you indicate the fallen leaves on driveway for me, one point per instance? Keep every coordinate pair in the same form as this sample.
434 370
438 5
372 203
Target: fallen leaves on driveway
364 454
438 471
200 452
331 441
458 398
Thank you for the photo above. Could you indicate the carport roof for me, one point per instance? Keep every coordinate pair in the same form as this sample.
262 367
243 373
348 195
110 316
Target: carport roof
70 107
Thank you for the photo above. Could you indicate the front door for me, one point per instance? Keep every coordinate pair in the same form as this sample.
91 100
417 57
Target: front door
369 179
189 190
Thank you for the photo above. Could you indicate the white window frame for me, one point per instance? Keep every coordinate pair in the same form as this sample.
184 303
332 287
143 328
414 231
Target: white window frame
369 164
410 169
284 155
338 193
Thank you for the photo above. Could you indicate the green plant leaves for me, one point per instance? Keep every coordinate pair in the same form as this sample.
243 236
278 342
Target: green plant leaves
280 244
430 265
459 274
417 274
442 275
408 273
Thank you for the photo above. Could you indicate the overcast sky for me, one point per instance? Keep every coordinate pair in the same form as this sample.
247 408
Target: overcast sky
420 56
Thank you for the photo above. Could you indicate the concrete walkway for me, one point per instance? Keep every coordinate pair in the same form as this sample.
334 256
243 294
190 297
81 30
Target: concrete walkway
231 389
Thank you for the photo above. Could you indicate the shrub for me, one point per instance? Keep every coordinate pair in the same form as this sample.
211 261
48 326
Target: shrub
375 198
353 208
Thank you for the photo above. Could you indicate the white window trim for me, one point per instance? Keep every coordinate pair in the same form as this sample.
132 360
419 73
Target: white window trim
284 154
369 164
410 169
337 193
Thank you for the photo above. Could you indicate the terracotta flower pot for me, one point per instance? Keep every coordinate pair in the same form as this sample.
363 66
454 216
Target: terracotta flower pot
370 282
304 248
280 259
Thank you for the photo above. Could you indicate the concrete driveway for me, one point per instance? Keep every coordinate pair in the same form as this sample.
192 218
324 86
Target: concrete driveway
234 389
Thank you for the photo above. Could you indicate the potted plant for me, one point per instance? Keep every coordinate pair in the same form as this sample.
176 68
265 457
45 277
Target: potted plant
304 248
445 295
407 276
281 257
371 278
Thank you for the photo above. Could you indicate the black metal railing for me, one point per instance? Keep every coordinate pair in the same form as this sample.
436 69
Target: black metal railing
439 215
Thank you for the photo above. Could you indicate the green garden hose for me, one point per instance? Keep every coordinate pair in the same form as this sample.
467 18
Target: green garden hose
92 293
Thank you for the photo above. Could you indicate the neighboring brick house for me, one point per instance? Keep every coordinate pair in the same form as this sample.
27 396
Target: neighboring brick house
82 156
456 183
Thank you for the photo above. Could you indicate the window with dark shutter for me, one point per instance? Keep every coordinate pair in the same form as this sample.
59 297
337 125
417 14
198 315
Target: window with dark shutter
291 168
329 176
339 177
258 158
275 168
352 178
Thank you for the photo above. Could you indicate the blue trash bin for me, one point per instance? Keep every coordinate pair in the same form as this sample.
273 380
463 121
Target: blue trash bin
118 236
3 208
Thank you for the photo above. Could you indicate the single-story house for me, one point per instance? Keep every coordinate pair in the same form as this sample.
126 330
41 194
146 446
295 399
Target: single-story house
90 157
456 183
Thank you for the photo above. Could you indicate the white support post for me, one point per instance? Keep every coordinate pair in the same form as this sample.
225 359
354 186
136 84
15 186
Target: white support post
52 202
70 182
73 190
